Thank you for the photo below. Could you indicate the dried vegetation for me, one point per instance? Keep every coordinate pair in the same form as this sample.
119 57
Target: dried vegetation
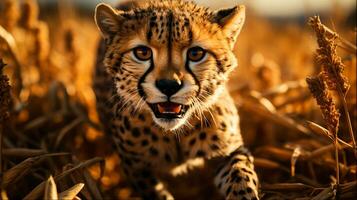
52 146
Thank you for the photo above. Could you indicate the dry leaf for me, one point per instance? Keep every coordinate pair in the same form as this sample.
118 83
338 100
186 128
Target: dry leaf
71 193
50 189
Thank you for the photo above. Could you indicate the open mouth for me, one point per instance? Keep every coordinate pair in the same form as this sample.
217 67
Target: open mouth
168 110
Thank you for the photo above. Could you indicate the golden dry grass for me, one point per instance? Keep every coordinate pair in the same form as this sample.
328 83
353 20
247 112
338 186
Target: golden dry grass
52 145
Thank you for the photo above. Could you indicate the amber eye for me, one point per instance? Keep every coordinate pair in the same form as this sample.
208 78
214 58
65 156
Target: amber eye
196 54
142 53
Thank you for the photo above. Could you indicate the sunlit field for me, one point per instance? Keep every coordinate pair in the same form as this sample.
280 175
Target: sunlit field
295 90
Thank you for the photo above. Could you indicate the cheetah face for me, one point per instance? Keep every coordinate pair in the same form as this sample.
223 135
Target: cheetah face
171 58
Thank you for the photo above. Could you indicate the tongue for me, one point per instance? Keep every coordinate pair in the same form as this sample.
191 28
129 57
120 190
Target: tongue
168 107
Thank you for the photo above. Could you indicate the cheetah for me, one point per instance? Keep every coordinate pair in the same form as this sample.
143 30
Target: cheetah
160 83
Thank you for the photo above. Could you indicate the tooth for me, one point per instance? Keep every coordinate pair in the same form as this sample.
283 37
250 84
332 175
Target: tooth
177 109
161 109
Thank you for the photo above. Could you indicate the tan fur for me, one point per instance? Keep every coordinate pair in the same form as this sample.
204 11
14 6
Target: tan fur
125 86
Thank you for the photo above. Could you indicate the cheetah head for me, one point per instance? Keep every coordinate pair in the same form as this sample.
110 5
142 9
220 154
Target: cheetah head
171 57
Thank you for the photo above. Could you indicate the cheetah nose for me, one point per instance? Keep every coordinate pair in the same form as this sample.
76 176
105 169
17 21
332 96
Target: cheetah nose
168 87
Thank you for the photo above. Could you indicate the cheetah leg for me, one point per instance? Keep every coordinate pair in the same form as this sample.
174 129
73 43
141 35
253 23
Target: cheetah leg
147 185
236 178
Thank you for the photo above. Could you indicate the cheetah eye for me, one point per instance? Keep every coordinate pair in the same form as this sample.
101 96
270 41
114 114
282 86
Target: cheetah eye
142 53
196 54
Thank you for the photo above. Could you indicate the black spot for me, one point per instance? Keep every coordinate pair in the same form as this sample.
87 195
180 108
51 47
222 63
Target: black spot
152 24
166 139
190 36
127 123
192 141
235 173
237 179
130 143
200 153
115 68
154 137
111 55
187 22
219 185
225 173
135 132
127 162
121 129
249 190
244 198
247 171
228 190
120 146
122 87
235 160
153 18
214 147
147 131
254 182
209 90
241 192
168 158
144 143
215 138
202 135
153 151
149 35
219 111
120 117
235 193
223 126
141 117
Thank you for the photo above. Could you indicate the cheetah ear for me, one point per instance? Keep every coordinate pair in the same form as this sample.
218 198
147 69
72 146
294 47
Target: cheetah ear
231 20
107 20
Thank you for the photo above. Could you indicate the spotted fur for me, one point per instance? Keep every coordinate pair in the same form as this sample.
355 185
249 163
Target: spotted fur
125 86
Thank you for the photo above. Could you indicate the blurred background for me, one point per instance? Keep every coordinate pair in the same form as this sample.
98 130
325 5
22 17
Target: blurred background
50 51
272 8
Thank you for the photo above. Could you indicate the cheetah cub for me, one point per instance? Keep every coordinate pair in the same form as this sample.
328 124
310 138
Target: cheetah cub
160 83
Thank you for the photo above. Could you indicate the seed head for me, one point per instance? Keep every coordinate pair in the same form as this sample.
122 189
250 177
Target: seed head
5 97
323 98
332 67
